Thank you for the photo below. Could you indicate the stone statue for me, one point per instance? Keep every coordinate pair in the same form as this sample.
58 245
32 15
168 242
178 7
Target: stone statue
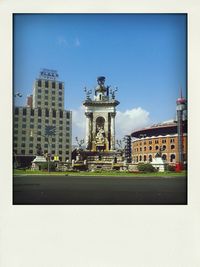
100 135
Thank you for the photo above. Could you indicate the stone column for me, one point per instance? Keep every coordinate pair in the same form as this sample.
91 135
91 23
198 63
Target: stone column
87 133
112 129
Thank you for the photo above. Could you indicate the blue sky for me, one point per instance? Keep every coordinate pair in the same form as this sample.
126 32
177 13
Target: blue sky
144 55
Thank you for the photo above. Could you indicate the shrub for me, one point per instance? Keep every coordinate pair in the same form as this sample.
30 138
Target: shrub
145 167
171 168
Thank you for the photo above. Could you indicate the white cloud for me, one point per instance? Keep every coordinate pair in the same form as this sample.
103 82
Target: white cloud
78 124
131 120
62 41
126 122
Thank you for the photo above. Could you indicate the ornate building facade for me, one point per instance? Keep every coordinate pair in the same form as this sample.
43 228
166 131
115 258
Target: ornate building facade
100 118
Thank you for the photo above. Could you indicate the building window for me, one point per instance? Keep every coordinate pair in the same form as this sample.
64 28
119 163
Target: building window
67 128
53 92
31 126
67 146
39 126
23 125
39 120
46 112
16 126
60 85
60 128
53 98
31 145
46 84
172 158
53 104
39 103
60 146
39 83
164 157
145 157
145 142
61 114
67 134
140 158
60 105
39 91
150 142
31 120
150 148
23 138
46 92
24 119
60 152
54 113
172 146
150 158
39 139
39 96
68 115
164 147
32 112
67 122
39 112
53 85
30 151
157 147
15 144
45 145
46 97
46 103
23 145
163 141
23 132
60 140
145 148
60 98
156 141
46 121
53 145
172 140
16 111
23 152
24 111
53 151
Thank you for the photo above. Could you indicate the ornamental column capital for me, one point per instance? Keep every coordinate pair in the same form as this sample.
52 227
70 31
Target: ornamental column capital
88 114
113 114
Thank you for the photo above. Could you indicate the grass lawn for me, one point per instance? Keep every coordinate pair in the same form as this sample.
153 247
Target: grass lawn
101 173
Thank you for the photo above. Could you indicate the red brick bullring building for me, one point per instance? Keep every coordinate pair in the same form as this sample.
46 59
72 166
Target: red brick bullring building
148 141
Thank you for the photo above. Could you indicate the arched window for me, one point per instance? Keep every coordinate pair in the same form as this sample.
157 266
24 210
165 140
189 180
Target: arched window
164 147
172 158
150 148
145 157
140 158
172 146
157 147
150 158
164 157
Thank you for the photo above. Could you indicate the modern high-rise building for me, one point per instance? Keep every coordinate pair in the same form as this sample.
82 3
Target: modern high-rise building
44 110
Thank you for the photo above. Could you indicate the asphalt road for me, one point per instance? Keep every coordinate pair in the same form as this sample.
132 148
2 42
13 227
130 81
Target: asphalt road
99 190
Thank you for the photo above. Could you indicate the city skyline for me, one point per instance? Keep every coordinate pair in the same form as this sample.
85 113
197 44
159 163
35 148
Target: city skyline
144 55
